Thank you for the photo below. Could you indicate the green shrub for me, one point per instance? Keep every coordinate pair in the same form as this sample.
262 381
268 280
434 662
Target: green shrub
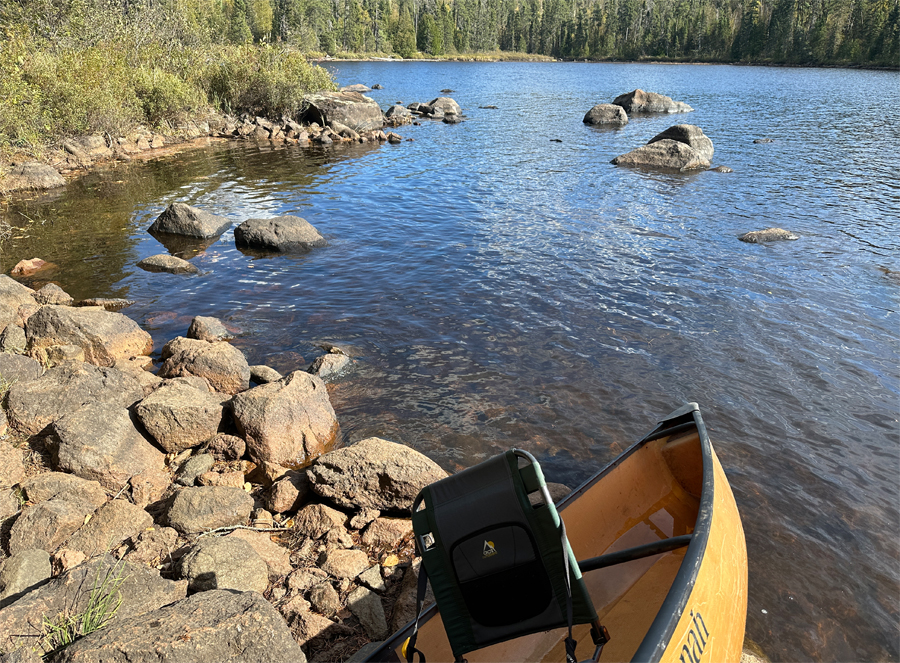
164 95
263 80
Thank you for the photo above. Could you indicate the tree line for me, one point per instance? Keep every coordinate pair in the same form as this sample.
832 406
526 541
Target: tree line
862 32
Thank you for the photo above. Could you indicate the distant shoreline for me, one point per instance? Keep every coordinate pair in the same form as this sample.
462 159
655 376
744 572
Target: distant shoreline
513 57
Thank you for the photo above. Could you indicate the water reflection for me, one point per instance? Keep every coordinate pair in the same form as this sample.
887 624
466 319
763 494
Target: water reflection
499 289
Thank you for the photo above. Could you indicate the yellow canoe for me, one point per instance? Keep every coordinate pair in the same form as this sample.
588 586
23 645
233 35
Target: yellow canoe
687 604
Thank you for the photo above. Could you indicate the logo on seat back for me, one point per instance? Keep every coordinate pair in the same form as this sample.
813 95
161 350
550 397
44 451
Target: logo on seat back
489 550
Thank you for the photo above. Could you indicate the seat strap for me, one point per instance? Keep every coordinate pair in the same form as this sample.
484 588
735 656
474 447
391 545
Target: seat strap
409 647
571 644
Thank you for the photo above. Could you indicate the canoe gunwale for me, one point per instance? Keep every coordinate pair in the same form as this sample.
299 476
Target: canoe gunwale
664 624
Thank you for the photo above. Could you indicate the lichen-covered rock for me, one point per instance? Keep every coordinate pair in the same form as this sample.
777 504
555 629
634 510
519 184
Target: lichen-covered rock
344 563
666 154
109 526
222 364
12 296
104 336
47 525
276 557
36 404
142 590
767 235
99 441
224 563
639 101
217 626
12 464
181 219
373 473
366 607
166 263
606 114
179 417
208 507
282 234
316 520
22 572
53 294
688 134
289 422
59 485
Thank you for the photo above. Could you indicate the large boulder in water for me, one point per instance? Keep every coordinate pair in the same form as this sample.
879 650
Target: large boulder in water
606 114
665 154
446 105
104 336
181 219
374 474
349 108
289 422
283 234
639 101
688 134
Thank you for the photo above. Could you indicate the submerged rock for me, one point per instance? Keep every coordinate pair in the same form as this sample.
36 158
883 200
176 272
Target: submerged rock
166 263
639 101
767 235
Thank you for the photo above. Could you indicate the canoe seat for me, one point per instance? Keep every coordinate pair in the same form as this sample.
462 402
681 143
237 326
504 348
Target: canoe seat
500 567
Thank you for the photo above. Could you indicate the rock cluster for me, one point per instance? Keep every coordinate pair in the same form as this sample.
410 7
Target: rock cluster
207 502
441 108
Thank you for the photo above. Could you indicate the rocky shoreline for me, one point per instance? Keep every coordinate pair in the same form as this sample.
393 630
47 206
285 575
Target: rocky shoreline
327 118
207 500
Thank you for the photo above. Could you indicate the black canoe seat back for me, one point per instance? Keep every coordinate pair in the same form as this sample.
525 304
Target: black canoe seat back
498 566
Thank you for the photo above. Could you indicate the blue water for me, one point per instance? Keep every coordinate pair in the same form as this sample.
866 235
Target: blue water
500 289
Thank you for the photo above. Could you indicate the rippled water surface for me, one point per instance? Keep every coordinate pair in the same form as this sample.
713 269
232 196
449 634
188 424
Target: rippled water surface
499 288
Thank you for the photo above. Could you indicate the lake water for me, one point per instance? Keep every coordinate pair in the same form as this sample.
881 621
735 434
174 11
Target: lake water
499 288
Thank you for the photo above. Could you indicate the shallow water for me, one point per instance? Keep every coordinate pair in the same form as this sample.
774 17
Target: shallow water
501 289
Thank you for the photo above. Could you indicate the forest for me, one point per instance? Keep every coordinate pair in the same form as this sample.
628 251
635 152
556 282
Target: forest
70 67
